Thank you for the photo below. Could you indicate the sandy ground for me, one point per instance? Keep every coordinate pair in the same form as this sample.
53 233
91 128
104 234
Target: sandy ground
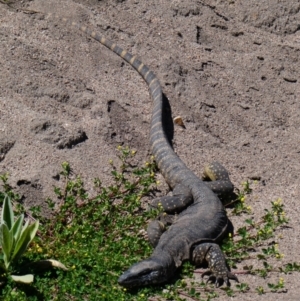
229 68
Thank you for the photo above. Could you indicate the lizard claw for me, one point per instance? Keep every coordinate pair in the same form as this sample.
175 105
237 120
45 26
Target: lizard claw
220 279
232 277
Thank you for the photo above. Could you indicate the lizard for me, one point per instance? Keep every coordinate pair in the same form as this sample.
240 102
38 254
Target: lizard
202 222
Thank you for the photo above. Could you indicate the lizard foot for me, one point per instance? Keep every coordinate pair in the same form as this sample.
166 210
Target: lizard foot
218 280
218 271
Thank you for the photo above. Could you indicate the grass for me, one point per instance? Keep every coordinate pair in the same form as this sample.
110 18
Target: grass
98 237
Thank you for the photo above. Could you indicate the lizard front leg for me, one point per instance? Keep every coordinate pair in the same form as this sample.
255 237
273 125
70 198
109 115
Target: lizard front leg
157 227
211 254
180 199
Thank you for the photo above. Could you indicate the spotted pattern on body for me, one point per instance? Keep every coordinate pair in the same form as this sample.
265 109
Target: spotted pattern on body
218 177
202 221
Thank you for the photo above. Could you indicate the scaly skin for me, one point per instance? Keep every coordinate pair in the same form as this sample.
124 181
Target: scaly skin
196 229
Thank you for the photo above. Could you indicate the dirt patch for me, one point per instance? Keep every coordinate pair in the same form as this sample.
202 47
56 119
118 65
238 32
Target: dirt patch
229 68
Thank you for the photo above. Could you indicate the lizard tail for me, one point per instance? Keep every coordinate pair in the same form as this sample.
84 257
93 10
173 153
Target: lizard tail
168 162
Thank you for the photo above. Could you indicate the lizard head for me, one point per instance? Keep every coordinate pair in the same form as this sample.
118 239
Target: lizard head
147 272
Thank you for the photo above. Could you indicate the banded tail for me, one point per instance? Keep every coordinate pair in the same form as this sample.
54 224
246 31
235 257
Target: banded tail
168 162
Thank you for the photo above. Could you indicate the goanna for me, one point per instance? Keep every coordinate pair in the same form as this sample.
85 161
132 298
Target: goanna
202 222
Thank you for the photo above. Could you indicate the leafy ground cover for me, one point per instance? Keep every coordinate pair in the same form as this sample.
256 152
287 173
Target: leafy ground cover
98 237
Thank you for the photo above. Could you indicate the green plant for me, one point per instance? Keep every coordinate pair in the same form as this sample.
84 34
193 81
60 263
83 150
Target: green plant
99 236
14 240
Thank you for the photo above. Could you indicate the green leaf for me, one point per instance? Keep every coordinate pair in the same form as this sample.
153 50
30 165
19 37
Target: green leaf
6 240
17 227
32 229
25 239
7 214
23 279
24 228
